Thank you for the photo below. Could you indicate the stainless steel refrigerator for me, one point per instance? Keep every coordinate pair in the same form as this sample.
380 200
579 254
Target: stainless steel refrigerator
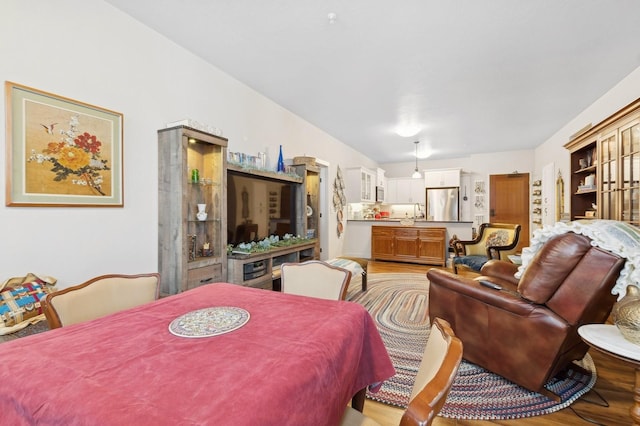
443 204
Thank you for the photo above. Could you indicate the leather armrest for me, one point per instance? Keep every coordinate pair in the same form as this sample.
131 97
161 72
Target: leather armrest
505 299
501 269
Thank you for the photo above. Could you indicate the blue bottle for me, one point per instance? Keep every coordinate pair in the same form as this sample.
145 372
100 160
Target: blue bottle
280 161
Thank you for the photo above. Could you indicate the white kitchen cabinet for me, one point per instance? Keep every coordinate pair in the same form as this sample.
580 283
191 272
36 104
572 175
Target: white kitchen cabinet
405 191
361 184
381 180
442 178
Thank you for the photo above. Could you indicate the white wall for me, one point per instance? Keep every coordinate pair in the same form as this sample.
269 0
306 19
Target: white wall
89 51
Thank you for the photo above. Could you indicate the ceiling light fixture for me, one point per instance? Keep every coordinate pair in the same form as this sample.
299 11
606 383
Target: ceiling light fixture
332 16
416 174
408 130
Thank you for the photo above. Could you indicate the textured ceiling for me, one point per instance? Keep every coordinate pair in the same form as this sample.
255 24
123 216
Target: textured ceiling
473 75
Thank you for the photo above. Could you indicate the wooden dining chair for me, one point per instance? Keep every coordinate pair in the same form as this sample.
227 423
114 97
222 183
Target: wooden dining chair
316 279
98 297
438 369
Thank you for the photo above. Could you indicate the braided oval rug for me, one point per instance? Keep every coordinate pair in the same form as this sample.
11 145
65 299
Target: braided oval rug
398 303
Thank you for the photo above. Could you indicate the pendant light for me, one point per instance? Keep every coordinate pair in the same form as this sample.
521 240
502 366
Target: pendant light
416 174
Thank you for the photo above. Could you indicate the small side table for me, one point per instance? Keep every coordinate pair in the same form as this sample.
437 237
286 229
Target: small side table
608 340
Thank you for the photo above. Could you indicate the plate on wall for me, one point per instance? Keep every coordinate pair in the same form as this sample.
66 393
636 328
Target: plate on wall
336 200
309 211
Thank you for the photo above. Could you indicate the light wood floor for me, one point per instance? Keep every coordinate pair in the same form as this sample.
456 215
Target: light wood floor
615 383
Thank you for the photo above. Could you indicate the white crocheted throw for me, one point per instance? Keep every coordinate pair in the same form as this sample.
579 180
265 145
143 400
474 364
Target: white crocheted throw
611 235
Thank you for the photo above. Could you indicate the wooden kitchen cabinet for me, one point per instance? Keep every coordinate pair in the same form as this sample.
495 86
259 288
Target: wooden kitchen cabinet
406 244
382 243
409 244
432 245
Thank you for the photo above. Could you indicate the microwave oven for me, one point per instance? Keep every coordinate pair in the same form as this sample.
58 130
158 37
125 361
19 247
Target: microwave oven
380 194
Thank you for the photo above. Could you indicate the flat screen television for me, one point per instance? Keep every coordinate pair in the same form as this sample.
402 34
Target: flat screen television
258 207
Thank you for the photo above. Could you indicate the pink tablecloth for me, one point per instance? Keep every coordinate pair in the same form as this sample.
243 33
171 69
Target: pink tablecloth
297 361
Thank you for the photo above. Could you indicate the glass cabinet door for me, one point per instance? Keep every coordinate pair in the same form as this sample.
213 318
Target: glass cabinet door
630 173
608 177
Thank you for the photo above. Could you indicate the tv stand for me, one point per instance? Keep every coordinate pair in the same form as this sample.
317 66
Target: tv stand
260 270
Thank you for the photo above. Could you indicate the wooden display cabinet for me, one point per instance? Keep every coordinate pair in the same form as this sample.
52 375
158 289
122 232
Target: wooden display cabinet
191 250
613 146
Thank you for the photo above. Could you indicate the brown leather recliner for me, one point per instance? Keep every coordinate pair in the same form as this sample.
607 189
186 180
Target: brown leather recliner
527 331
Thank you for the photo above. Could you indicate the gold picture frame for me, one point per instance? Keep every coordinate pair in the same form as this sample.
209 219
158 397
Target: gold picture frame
61 152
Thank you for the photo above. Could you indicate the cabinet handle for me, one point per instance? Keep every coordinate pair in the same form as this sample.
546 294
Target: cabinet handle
206 280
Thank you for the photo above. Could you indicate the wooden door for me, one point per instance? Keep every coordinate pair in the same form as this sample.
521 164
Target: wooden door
509 202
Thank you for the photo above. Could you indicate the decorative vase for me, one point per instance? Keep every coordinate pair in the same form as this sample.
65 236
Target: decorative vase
626 315
202 212
280 161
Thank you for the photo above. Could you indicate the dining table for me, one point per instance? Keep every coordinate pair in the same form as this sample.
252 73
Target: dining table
219 354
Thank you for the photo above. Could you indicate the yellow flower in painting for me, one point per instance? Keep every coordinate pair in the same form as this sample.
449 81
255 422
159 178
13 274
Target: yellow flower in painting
73 158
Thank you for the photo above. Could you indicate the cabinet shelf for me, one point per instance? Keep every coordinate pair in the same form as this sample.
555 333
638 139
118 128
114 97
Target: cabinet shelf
590 169
265 173
204 184
204 261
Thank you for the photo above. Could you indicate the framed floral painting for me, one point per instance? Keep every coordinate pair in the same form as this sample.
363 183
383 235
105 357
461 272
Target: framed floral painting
61 152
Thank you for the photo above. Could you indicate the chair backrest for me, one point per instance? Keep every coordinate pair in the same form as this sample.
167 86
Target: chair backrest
316 279
505 235
572 278
438 369
100 296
